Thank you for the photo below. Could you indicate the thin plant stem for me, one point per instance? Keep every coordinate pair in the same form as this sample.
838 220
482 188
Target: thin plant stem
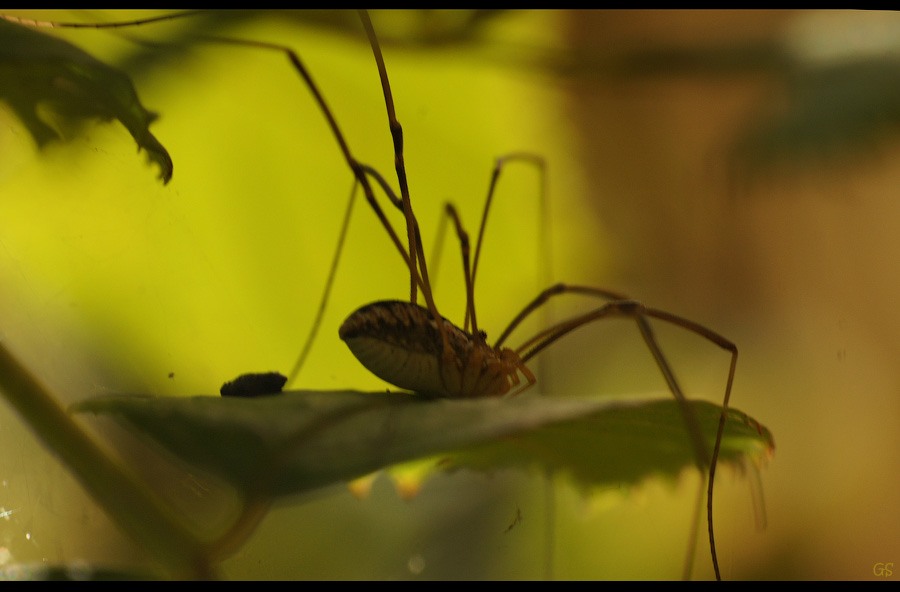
130 504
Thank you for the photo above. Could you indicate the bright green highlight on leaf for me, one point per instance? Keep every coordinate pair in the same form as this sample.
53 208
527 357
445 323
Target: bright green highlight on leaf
301 440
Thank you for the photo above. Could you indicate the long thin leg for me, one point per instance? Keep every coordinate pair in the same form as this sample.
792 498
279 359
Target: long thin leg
533 159
450 212
544 247
621 307
692 539
357 168
637 311
415 250
329 282
414 258
437 247
342 235
361 172
417 265
545 296
545 277
463 237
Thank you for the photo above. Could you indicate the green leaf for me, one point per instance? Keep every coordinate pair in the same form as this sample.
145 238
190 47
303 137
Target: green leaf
623 443
301 440
38 72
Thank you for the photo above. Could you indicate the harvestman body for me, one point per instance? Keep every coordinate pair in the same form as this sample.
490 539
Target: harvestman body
415 348
400 342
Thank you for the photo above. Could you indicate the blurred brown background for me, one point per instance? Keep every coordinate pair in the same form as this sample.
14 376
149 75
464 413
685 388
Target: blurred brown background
797 265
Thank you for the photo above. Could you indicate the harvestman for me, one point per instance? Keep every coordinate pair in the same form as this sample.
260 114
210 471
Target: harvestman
414 347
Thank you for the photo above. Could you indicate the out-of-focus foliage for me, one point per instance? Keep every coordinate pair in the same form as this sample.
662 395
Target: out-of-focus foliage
817 110
51 84
826 112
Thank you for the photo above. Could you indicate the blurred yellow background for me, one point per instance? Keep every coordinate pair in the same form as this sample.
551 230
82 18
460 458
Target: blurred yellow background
114 283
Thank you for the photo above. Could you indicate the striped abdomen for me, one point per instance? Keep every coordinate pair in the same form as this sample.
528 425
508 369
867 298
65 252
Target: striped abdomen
400 343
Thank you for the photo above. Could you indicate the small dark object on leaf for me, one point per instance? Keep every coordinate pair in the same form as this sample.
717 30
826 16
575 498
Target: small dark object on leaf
254 385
